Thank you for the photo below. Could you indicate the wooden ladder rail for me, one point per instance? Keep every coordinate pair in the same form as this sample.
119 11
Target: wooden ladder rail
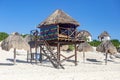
49 57
54 61
53 54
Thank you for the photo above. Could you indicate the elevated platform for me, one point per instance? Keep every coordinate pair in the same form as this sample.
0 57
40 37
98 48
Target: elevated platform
57 43
62 41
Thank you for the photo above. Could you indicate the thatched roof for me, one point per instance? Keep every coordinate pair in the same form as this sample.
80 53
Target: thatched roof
107 46
30 40
58 17
103 34
85 47
14 41
83 33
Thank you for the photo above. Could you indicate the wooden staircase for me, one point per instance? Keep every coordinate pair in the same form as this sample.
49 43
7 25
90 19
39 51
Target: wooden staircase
48 52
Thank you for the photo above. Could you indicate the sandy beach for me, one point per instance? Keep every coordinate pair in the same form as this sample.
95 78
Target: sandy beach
94 68
60 30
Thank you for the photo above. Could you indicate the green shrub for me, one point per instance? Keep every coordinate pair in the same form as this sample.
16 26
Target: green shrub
3 35
94 43
71 47
115 42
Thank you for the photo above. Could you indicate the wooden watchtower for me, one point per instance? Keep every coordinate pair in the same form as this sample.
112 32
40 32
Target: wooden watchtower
60 29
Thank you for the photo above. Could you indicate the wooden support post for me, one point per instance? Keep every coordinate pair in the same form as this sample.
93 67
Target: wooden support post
14 55
106 58
30 55
36 53
75 54
83 56
67 33
58 31
58 52
27 55
83 53
40 55
75 47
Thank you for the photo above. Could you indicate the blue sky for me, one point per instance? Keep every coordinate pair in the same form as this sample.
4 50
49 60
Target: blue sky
94 16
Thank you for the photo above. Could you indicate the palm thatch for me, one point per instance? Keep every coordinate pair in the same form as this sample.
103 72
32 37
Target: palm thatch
14 41
85 47
104 34
107 46
83 34
30 40
58 17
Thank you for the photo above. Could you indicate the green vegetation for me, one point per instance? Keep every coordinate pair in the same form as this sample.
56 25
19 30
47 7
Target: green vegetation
115 42
94 43
71 47
3 35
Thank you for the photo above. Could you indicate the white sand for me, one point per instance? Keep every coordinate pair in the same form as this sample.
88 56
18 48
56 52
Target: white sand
92 69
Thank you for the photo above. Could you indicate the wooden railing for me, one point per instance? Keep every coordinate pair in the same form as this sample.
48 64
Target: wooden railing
67 33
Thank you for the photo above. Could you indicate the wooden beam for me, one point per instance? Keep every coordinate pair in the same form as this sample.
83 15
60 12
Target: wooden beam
63 56
67 58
